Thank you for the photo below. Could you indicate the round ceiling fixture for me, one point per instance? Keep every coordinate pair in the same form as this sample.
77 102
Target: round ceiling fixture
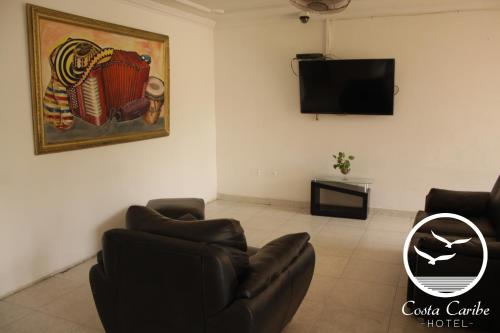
321 6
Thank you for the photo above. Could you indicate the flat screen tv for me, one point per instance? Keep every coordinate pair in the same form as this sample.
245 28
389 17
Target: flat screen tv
363 86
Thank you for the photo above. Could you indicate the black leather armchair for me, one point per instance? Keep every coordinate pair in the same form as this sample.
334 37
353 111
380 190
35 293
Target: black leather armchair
481 208
165 275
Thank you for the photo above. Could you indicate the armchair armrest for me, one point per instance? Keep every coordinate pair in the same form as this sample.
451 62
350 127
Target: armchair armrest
458 202
270 261
176 208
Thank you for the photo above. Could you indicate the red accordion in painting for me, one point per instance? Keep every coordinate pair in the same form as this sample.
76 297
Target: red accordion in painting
98 85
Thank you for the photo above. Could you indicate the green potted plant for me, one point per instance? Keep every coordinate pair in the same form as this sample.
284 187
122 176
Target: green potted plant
343 162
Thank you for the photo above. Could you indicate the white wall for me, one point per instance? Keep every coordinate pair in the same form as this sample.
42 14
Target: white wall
445 131
54 208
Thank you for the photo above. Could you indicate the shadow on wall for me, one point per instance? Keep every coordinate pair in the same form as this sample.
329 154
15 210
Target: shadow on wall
39 262
117 220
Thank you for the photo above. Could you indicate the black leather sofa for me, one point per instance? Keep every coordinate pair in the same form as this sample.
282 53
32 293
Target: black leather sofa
482 209
180 275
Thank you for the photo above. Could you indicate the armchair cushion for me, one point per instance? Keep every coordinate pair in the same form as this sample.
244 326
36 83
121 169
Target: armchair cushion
270 261
177 207
225 234
457 202
239 260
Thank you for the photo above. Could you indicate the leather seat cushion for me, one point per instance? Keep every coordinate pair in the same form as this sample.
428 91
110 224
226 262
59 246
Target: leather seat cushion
453 227
226 234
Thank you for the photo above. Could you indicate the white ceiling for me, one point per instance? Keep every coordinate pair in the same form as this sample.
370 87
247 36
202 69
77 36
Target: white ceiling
238 10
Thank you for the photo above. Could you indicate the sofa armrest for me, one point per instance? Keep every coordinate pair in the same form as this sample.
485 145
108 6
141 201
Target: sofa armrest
270 261
467 260
458 202
472 248
176 208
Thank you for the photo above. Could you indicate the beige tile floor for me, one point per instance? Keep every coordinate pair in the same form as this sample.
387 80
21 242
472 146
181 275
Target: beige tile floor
358 286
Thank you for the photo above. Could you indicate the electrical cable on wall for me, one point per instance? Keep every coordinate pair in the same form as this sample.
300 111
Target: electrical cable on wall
291 66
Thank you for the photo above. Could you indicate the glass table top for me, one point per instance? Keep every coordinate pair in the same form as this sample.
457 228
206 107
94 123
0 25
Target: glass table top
345 179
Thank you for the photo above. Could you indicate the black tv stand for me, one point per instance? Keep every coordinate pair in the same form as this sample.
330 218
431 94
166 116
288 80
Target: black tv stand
357 190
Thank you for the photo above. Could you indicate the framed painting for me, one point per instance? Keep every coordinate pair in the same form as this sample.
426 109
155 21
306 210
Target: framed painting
95 83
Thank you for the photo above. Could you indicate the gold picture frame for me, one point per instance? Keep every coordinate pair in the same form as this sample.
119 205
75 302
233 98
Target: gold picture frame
95 83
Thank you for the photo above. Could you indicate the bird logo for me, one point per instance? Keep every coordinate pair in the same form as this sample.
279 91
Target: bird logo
440 279
432 261
448 243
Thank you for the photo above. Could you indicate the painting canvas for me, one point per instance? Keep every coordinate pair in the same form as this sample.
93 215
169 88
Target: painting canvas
95 83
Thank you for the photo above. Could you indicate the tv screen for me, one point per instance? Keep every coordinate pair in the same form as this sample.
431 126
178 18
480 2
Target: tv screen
347 86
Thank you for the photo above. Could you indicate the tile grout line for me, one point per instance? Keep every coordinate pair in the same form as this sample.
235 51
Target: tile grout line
40 311
22 317
80 284
392 309
37 311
